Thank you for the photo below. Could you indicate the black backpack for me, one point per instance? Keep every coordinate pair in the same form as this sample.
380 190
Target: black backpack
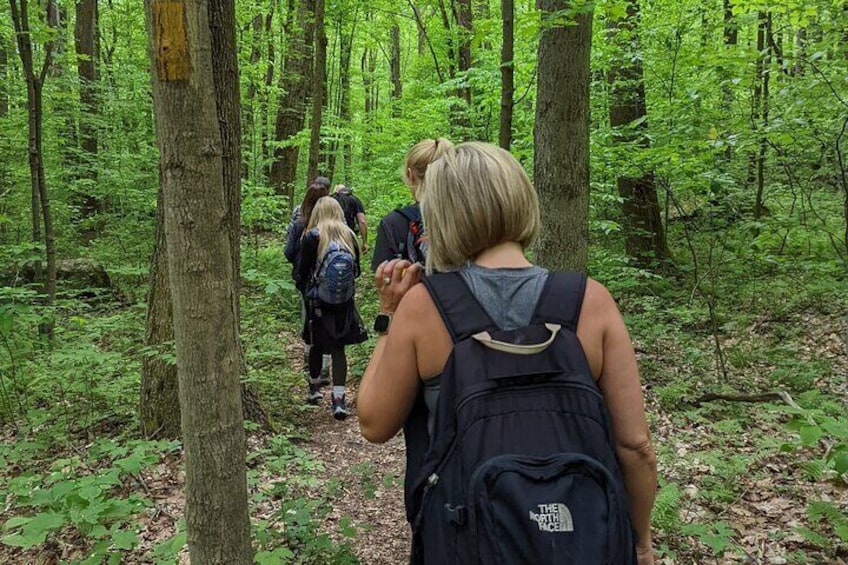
521 466
415 246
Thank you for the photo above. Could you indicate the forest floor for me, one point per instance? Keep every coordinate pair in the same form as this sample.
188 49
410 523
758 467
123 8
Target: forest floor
735 484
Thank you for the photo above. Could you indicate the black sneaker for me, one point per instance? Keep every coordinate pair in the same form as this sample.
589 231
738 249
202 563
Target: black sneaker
314 395
324 379
339 408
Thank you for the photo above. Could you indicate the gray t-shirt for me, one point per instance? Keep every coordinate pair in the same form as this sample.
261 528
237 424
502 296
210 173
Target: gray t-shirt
508 296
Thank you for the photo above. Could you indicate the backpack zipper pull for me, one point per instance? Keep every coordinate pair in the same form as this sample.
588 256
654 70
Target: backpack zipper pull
432 480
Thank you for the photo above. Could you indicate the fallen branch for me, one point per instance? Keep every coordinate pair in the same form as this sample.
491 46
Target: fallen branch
739 397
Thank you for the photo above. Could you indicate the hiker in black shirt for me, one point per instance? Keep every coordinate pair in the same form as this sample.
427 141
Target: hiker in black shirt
354 213
395 237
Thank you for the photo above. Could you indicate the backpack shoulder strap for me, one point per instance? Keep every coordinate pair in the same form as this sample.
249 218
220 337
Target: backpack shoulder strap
412 212
462 313
561 299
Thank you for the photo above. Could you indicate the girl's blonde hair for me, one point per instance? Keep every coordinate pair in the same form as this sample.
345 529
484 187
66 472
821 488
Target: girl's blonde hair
473 198
328 217
419 157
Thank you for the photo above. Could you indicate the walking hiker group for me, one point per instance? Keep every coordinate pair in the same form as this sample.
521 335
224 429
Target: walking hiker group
516 388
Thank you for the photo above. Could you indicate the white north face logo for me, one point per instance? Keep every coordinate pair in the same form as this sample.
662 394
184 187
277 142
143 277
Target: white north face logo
553 518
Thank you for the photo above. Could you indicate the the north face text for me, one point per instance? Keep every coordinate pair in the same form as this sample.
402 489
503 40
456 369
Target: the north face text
553 518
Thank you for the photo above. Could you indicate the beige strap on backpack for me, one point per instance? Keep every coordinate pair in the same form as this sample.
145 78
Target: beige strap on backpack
486 339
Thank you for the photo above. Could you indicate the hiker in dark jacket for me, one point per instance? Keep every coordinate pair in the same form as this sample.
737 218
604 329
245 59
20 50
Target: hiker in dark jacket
292 251
329 327
482 213
354 213
394 237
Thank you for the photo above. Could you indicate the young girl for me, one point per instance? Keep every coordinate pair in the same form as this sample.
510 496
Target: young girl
329 327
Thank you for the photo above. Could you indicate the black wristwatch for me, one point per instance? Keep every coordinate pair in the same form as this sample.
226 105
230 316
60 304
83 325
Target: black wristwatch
381 323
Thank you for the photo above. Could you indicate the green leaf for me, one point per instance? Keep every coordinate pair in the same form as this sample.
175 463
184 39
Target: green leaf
124 540
15 522
842 532
810 435
840 463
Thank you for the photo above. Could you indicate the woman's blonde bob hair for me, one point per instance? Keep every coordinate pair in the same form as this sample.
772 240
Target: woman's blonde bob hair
419 157
328 217
473 198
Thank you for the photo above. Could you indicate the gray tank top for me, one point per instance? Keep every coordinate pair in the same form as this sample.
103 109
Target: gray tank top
508 296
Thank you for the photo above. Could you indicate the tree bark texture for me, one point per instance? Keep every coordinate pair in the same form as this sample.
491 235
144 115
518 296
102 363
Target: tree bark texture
159 409
507 74
88 53
561 160
643 228
38 183
319 73
200 267
295 81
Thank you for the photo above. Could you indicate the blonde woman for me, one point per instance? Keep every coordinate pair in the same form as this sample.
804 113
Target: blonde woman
497 359
400 235
329 263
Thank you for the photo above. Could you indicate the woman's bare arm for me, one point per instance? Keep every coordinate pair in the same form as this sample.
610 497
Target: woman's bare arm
620 385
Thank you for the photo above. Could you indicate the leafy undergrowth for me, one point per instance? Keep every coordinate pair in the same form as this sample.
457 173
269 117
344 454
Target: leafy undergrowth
740 482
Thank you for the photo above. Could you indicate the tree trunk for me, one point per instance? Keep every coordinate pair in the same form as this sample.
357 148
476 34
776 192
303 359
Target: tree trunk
757 96
262 152
731 29
38 184
88 54
369 66
562 138
765 72
800 51
200 266
294 85
4 93
252 112
397 82
466 34
344 106
507 73
159 409
318 81
644 234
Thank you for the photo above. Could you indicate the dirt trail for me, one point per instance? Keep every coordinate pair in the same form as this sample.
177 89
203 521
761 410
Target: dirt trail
370 489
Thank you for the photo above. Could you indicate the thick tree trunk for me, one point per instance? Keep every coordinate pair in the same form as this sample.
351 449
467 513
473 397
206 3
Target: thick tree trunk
507 73
562 138
159 409
644 234
88 53
295 81
38 184
200 266
318 83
